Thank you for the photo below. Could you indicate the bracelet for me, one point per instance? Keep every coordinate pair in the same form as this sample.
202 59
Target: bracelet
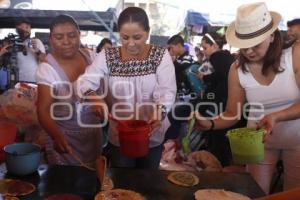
163 111
212 126
86 94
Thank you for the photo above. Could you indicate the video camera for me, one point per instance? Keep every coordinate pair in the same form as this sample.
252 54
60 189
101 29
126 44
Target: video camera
9 60
17 44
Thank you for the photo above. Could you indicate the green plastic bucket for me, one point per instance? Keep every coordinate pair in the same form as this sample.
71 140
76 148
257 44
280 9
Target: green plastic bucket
246 145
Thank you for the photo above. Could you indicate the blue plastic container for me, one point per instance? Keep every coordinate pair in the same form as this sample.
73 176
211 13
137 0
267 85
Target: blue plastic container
22 158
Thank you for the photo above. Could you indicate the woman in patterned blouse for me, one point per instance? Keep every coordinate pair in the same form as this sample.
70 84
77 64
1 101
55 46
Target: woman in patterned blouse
139 84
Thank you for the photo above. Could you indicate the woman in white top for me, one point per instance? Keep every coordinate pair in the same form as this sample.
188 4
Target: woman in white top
72 134
140 84
268 78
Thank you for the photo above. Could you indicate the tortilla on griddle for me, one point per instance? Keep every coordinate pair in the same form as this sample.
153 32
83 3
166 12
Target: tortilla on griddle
13 187
218 194
186 179
119 194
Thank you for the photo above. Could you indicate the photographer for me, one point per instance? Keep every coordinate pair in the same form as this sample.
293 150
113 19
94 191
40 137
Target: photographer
27 64
29 51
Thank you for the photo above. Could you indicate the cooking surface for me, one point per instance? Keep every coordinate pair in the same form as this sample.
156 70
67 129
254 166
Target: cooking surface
152 184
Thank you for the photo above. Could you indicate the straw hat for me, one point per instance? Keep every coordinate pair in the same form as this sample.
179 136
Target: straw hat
253 24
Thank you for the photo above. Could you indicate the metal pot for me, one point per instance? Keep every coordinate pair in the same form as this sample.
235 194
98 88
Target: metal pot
22 158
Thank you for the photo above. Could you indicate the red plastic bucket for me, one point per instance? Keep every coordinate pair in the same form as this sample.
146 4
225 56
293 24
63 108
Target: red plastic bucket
8 132
134 137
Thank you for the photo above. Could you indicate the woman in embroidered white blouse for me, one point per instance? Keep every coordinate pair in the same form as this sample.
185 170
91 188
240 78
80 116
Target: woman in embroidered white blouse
140 82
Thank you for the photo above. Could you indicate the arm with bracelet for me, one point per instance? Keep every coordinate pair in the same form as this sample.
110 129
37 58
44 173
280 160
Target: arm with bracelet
165 91
233 112
90 83
98 105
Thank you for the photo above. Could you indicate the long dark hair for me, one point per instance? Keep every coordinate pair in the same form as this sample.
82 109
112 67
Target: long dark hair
271 59
102 43
134 14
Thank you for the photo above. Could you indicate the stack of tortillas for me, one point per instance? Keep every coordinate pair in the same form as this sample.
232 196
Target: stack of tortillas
217 194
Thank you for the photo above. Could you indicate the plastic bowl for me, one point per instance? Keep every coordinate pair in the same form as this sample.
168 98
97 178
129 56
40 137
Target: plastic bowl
22 158
246 145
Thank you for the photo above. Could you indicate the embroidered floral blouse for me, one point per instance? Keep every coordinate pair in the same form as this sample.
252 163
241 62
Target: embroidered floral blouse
132 88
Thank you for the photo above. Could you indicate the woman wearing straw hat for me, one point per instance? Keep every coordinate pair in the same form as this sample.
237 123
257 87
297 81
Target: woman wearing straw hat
268 78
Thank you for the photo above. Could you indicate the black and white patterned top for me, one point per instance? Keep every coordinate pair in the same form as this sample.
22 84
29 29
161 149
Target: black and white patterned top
134 85
133 67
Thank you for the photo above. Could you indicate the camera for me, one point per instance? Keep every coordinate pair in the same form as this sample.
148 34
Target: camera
9 60
17 44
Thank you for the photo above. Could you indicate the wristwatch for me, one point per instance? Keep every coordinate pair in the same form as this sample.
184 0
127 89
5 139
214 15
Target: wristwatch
163 111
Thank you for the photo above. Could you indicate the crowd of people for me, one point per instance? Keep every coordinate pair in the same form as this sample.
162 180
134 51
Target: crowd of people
142 81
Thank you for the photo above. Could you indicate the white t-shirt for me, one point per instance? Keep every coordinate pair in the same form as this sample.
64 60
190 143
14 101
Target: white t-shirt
280 94
28 64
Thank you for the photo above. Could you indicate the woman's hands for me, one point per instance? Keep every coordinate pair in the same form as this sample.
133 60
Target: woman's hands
98 108
98 105
200 75
154 123
60 144
155 120
158 115
202 123
267 123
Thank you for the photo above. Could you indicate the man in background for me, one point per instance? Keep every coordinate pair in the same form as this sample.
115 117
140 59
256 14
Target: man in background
27 60
182 60
293 32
